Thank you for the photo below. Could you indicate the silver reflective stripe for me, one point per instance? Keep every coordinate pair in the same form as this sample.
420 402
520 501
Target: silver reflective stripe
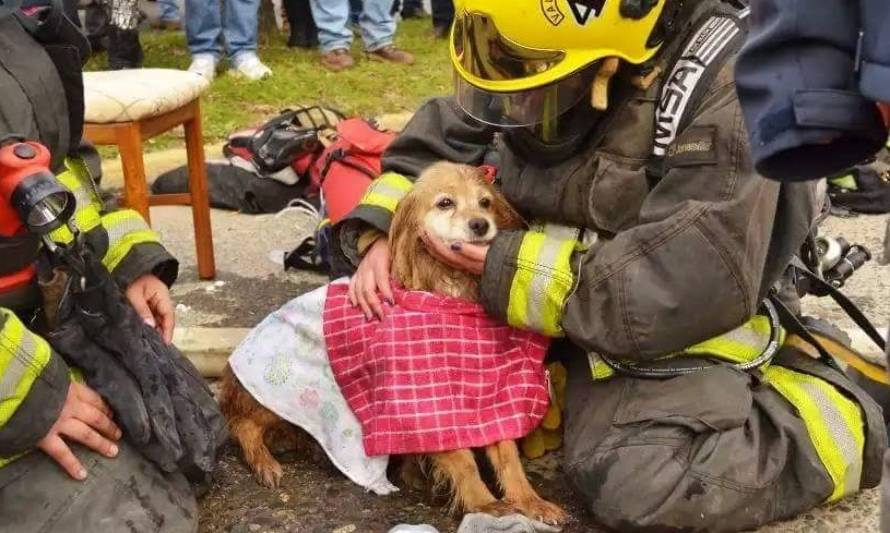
537 291
748 336
387 190
840 434
19 363
562 233
121 227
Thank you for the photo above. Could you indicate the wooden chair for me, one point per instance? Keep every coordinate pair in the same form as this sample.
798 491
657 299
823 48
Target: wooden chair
124 108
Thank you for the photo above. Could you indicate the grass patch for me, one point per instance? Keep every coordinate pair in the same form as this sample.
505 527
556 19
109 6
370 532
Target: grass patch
369 89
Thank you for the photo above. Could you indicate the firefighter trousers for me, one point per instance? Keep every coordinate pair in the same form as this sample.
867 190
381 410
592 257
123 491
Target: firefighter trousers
719 449
127 493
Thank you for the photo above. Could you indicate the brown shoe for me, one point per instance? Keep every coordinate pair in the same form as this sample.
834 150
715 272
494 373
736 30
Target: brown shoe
337 60
391 54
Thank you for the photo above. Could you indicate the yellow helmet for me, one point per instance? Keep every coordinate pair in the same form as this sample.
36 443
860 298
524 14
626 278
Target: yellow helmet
518 62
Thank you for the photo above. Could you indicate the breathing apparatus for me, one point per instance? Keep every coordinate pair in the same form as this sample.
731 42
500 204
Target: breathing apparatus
32 204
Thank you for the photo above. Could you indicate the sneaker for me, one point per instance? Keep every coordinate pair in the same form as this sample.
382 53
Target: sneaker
250 66
204 65
391 54
337 60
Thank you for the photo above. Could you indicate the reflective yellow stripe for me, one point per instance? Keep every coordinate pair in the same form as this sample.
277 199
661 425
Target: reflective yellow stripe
126 228
598 367
845 182
23 356
86 216
542 283
77 178
833 421
387 191
741 345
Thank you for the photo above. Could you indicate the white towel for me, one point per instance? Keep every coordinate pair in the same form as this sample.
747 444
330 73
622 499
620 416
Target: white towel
283 363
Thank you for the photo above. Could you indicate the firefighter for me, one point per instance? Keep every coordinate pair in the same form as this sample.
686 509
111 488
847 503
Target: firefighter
63 466
652 246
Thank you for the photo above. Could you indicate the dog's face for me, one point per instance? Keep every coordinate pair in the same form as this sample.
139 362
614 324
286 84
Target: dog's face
453 203
461 210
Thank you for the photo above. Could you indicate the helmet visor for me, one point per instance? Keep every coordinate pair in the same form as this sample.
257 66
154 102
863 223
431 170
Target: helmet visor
482 52
538 105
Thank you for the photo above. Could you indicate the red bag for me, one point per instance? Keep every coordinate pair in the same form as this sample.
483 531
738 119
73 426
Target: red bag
346 168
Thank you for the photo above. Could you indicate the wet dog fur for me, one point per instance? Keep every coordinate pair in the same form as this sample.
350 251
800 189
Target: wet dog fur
456 204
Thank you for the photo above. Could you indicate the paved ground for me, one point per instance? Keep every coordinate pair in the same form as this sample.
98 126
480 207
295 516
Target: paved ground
313 496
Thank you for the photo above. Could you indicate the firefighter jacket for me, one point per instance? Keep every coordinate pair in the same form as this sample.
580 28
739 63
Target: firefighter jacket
689 239
33 379
807 80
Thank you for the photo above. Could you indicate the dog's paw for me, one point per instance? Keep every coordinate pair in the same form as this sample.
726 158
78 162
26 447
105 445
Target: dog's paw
497 508
268 474
542 511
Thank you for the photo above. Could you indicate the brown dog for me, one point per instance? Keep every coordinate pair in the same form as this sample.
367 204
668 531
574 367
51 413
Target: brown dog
455 204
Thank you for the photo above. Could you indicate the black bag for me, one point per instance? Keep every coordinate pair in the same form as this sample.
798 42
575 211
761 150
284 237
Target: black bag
41 77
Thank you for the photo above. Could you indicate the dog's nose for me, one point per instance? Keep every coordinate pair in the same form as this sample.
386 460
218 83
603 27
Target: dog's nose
479 226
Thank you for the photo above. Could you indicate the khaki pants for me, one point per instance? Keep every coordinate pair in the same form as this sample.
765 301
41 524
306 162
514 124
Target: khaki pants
125 494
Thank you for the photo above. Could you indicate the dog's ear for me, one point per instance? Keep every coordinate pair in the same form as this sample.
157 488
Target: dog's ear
505 216
404 238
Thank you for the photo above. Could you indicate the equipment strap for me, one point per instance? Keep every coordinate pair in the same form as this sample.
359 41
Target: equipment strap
845 303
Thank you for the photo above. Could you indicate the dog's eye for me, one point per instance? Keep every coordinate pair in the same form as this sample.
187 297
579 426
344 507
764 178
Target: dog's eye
485 203
445 203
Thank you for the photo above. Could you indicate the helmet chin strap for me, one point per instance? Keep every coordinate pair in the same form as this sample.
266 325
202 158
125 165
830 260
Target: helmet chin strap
599 91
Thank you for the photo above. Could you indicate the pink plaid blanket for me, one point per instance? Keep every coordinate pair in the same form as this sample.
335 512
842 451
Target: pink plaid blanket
436 374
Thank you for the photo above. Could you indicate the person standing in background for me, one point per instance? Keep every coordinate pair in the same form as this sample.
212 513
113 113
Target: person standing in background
170 19
378 29
124 48
236 22
411 9
443 14
303 33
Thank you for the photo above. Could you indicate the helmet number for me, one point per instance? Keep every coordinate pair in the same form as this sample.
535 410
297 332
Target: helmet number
583 9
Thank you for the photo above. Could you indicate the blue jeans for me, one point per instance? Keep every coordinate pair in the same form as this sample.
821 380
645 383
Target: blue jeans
206 23
169 10
332 17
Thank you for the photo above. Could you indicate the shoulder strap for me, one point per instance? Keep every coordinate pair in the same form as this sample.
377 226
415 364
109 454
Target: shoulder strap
691 75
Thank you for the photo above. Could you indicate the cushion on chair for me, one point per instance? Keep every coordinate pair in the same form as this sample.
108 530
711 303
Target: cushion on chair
131 95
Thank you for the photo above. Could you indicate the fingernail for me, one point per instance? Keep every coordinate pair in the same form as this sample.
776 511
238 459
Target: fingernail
81 474
112 452
118 434
456 247
151 322
390 302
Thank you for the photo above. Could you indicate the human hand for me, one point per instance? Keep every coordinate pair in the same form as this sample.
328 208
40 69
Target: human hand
151 299
465 256
86 419
372 277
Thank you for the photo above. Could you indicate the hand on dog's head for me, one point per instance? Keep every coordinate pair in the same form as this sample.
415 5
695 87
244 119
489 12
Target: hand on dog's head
455 204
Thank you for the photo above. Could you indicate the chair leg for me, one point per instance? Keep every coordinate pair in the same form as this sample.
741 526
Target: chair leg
129 141
200 199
